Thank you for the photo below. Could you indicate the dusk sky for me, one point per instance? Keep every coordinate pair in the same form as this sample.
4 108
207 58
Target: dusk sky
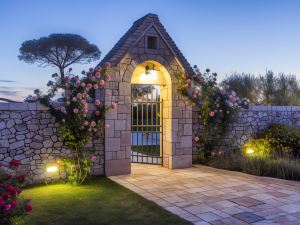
226 36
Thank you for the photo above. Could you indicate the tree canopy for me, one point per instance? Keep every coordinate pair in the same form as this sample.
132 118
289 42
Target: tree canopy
59 50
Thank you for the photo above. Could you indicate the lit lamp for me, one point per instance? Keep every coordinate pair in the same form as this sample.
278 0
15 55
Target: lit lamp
151 71
52 169
250 151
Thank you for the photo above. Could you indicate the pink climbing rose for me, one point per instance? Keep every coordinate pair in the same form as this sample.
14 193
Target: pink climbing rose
101 82
106 126
107 65
75 110
114 105
97 113
212 113
89 85
98 75
196 138
93 124
97 102
79 95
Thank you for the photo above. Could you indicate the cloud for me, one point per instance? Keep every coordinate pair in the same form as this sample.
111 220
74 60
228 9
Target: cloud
7 81
8 92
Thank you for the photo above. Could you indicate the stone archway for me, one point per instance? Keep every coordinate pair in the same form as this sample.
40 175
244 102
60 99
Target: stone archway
146 41
162 79
177 119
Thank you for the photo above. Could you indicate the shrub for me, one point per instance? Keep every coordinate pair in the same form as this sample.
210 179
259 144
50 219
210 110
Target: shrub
278 168
12 207
261 147
284 140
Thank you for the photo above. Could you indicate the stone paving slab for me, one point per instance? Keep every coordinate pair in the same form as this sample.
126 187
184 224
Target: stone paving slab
205 195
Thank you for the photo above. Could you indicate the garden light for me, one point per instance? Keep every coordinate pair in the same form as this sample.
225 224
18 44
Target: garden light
52 169
250 151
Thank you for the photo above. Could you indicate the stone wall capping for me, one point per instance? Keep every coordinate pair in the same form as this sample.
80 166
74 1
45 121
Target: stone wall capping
18 106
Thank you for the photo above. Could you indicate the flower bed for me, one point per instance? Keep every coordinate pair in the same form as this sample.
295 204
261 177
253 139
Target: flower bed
12 207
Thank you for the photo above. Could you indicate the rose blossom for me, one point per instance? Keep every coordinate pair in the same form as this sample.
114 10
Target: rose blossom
196 138
98 75
113 105
95 130
101 82
93 78
63 109
212 113
82 101
93 124
67 79
106 126
7 207
99 68
86 123
79 95
94 158
97 102
107 65
83 84
96 86
74 99
77 84
14 163
28 208
97 113
68 102
89 85
91 69
75 110
107 77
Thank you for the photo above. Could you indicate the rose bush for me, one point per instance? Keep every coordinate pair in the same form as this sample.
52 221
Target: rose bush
12 207
217 106
80 116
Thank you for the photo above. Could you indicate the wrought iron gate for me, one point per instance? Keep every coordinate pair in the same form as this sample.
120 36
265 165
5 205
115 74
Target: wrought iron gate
146 124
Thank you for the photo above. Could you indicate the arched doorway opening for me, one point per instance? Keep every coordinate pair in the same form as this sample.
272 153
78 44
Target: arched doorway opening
151 105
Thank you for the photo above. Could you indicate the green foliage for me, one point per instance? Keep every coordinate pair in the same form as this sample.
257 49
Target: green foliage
59 50
261 147
259 166
245 85
284 140
217 106
267 89
78 124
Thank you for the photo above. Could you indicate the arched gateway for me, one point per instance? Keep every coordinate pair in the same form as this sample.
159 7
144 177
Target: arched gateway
153 122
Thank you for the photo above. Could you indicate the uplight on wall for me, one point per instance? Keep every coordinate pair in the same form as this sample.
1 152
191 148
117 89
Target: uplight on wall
52 169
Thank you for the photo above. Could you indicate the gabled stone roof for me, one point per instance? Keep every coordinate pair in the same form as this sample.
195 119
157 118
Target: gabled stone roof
115 55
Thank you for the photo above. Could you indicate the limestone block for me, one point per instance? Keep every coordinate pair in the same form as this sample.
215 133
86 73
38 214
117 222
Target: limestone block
117 167
112 144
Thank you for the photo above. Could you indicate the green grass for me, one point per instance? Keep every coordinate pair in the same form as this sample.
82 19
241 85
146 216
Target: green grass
101 201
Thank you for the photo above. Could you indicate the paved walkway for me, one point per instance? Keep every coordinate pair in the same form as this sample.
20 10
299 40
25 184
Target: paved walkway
206 195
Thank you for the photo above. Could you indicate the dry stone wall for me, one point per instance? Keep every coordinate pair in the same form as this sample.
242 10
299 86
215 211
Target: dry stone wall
28 133
250 122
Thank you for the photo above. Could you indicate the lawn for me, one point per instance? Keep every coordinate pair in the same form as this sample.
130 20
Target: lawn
101 201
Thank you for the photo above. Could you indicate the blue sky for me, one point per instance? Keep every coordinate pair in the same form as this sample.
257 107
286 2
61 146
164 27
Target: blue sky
225 35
